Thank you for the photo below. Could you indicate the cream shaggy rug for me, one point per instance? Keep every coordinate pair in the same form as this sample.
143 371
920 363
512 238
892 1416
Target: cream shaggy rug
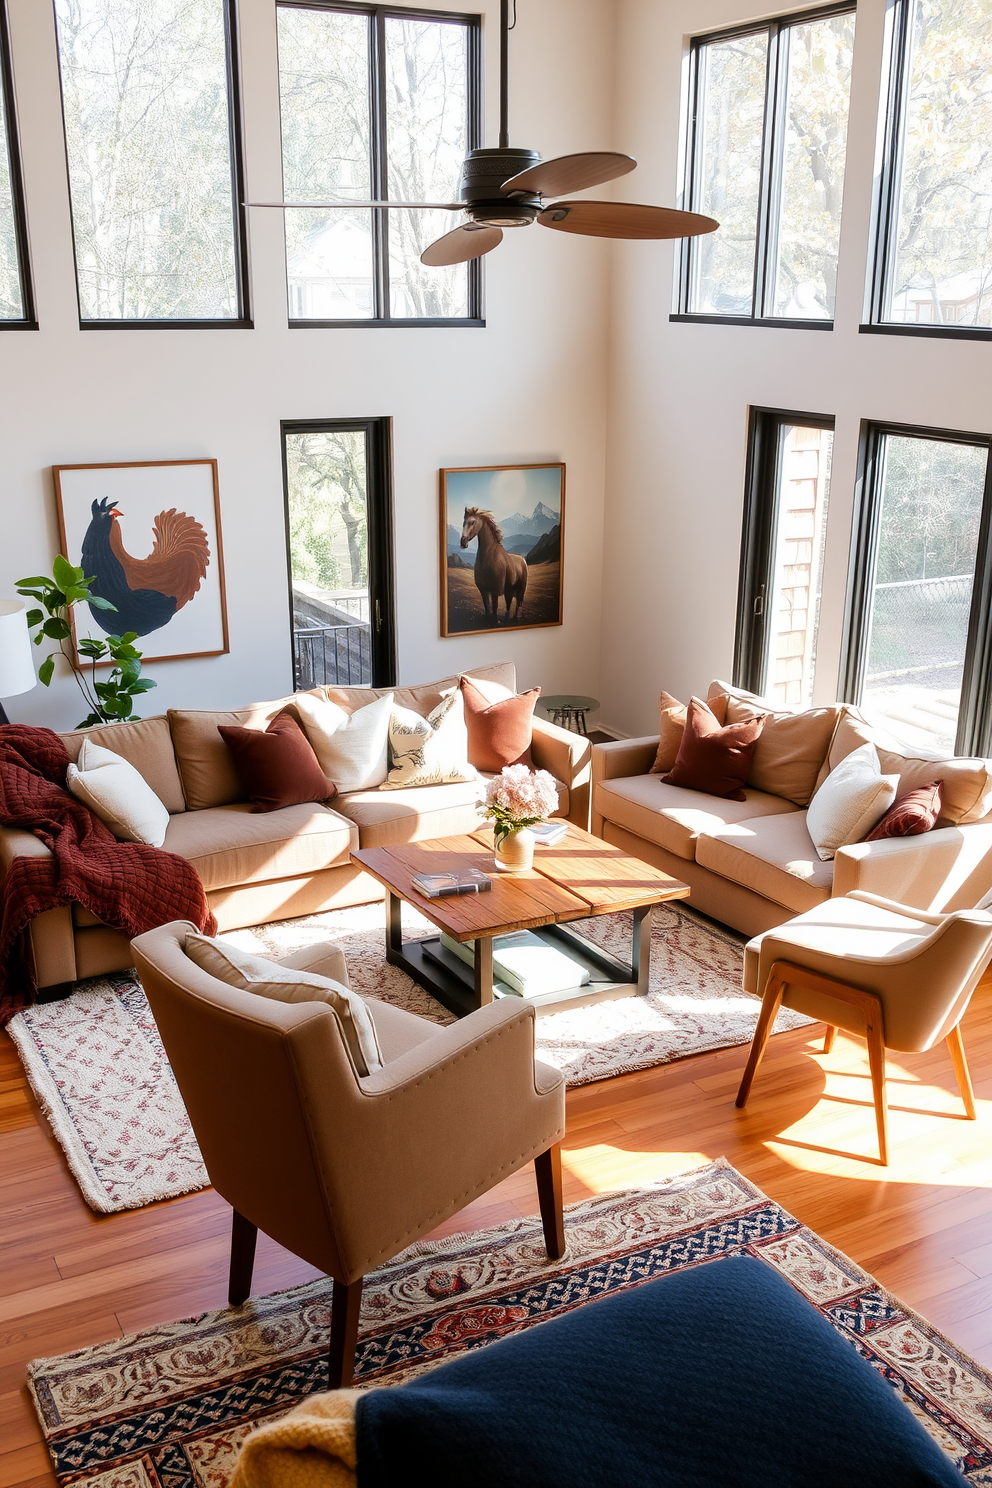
101 1076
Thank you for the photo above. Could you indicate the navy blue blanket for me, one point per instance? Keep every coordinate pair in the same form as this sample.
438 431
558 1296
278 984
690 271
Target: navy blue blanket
721 1376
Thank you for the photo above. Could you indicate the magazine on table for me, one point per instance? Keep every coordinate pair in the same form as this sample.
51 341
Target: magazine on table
444 885
546 834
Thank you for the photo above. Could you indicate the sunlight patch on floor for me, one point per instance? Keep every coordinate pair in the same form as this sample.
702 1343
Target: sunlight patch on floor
602 1167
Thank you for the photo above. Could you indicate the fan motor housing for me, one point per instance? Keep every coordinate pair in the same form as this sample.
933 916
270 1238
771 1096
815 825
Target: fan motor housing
483 174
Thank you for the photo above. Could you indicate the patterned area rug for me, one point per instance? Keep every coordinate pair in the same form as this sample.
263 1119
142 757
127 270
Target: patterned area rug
168 1408
101 1076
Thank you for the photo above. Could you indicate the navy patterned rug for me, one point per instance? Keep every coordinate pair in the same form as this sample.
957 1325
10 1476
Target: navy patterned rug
169 1408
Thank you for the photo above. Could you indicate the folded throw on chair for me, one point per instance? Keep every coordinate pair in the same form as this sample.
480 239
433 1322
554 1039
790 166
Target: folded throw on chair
129 886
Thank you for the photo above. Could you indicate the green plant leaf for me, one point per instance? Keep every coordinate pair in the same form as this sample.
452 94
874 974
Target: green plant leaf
34 617
143 684
99 603
93 650
45 670
90 721
39 594
55 628
39 582
64 573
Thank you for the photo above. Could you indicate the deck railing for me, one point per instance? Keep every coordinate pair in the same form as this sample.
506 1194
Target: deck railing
332 655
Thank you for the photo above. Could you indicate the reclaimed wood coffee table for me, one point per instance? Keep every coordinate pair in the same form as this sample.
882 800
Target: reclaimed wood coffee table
577 879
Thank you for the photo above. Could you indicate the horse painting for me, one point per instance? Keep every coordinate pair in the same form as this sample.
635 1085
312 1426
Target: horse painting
497 572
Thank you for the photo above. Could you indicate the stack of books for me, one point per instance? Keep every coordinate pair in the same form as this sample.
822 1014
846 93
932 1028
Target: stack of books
444 885
546 834
525 964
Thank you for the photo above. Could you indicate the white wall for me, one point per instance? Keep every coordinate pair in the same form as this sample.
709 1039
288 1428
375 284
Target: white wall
529 387
680 392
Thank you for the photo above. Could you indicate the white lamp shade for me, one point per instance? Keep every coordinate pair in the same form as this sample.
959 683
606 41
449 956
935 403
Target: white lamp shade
16 662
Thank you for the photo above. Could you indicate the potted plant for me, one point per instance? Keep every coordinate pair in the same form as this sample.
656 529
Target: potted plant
109 701
516 800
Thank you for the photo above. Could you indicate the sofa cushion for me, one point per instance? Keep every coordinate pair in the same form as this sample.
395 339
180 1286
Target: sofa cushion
276 765
232 845
673 817
792 746
146 744
414 813
499 724
671 727
397 1030
205 765
424 698
773 855
965 784
116 793
712 759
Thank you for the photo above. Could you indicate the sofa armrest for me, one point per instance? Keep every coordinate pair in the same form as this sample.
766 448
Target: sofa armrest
567 756
949 868
50 935
619 759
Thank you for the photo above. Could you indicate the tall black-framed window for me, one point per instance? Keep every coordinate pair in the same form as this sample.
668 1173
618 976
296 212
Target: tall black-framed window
786 500
766 149
377 103
918 645
337 476
16 298
151 113
932 260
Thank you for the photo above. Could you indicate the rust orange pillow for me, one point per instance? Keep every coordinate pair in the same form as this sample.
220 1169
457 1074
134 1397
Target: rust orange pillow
910 815
277 765
713 759
498 733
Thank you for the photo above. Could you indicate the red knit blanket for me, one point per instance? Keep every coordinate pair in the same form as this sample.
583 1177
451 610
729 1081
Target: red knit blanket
127 885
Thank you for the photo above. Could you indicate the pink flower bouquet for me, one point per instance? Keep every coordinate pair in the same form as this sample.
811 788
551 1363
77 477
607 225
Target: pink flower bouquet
519 797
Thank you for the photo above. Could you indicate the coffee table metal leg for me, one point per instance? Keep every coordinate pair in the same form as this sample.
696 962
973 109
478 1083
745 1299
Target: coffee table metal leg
483 970
394 924
640 951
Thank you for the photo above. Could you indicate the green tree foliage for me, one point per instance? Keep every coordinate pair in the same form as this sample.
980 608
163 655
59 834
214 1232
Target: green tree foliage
328 528
11 299
931 509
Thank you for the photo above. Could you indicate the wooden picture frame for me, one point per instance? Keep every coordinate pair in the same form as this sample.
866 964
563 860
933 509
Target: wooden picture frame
521 515
163 548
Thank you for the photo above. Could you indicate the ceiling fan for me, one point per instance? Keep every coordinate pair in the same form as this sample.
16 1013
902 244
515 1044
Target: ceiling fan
506 187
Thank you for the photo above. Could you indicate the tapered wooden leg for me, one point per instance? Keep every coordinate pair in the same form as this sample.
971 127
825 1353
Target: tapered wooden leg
243 1237
876 1063
548 1170
828 1038
770 1004
956 1045
346 1304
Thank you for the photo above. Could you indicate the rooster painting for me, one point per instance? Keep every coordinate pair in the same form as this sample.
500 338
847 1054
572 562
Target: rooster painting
147 592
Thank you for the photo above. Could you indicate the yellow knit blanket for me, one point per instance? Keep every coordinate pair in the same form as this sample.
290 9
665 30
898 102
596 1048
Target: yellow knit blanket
311 1447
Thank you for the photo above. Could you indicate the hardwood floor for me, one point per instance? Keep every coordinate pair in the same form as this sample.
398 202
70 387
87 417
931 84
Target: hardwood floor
923 1226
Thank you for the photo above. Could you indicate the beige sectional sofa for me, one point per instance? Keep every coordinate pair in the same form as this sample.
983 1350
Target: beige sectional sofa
274 865
751 864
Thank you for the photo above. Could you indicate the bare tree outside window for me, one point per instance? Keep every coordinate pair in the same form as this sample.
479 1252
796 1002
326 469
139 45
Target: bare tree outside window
147 125
942 249
11 291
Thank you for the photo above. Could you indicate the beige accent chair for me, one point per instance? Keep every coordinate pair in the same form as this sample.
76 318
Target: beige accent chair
343 1170
900 978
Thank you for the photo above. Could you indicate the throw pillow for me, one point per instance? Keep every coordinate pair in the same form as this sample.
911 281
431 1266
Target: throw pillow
911 814
672 727
431 750
713 759
115 792
791 749
276 766
499 733
853 799
352 748
268 979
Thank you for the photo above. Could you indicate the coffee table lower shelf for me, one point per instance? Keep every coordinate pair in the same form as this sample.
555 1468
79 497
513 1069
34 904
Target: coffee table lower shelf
462 988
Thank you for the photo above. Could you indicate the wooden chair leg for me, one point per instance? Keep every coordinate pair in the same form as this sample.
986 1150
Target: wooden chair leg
956 1045
770 1004
876 1063
243 1237
828 1038
346 1304
548 1170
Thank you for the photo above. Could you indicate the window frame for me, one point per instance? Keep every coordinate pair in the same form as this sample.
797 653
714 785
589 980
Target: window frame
759 534
885 206
378 14
769 188
378 432
974 731
239 218
29 320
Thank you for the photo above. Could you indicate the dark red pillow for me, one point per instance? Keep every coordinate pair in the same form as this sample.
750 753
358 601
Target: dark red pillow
277 765
498 733
714 759
910 815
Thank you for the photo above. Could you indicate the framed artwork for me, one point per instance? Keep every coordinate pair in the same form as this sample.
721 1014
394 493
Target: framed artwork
501 547
150 534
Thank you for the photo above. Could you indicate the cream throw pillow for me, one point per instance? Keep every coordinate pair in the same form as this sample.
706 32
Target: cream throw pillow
352 748
853 799
269 979
118 795
431 750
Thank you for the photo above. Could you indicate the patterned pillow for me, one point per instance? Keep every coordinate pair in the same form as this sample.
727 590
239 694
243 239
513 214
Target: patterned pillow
431 750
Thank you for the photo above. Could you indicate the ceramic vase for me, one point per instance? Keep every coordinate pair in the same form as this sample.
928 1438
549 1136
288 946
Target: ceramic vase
515 852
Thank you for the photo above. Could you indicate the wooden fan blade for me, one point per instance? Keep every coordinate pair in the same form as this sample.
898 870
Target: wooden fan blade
605 219
460 245
571 173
